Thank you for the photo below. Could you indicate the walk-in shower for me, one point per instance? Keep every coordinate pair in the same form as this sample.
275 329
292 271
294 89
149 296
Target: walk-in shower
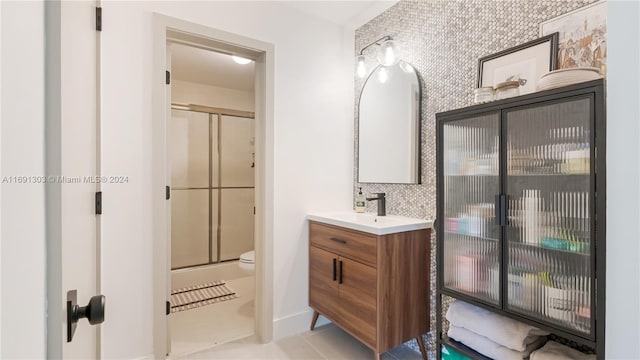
212 184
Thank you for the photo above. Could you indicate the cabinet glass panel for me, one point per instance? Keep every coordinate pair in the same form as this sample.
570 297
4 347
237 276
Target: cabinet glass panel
471 181
548 236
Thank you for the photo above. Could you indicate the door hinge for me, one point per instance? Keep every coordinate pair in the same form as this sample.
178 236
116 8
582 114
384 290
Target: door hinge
254 210
168 309
167 193
99 203
98 18
168 77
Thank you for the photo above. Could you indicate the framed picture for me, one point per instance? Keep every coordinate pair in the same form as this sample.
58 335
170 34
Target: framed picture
525 63
582 37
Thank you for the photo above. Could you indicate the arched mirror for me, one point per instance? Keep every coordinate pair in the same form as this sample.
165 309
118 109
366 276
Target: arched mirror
389 126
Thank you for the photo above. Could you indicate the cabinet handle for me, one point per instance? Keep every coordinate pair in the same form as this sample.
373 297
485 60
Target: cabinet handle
501 210
338 240
340 280
496 208
334 269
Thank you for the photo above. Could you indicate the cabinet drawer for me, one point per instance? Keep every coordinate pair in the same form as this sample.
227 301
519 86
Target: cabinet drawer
354 245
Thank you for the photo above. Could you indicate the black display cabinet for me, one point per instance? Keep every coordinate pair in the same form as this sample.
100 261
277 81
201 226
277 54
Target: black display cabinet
521 211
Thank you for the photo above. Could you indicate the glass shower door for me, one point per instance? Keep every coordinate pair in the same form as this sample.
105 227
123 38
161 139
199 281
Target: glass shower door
237 164
471 254
549 186
189 143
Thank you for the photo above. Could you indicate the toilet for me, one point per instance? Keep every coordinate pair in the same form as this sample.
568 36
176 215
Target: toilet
247 262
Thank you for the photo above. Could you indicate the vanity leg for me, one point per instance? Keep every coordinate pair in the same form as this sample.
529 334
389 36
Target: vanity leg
315 318
376 355
423 350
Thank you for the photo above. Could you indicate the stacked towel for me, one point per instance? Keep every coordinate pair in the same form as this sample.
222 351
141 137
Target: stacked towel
492 335
555 351
499 329
489 348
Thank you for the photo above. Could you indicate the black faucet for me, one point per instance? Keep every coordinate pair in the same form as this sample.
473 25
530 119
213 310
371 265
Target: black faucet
382 203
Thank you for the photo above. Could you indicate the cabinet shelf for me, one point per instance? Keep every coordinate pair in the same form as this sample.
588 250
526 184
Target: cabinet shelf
472 175
549 249
549 175
472 236
461 348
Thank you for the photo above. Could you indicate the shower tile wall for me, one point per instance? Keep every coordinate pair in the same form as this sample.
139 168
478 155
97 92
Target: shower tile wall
443 41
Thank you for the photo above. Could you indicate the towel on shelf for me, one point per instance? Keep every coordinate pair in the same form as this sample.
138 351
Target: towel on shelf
489 348
499 329
556 351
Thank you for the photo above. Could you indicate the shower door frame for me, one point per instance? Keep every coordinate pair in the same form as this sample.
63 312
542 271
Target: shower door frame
219 112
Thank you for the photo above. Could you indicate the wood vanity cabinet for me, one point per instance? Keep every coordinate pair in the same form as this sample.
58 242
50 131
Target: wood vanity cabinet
375 287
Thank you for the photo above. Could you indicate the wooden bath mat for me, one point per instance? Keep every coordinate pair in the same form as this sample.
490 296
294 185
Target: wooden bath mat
200 295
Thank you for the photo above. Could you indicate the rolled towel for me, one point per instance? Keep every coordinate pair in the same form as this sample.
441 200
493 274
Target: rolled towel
499 329
489 348
556 351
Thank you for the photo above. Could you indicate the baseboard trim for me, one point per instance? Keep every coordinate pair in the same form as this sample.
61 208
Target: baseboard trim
295 324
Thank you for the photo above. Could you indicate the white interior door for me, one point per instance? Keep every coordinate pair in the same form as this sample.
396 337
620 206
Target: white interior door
72 166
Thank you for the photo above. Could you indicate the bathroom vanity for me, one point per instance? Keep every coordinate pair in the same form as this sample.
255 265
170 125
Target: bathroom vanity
369 275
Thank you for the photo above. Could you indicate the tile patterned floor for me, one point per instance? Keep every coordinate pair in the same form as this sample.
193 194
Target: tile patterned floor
327 342
201 328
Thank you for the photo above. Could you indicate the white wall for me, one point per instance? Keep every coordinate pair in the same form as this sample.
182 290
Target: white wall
313 150
623 181
22 247
313 114
186 92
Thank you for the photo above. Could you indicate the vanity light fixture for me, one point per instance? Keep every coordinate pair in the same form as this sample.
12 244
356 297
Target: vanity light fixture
386 55
240 60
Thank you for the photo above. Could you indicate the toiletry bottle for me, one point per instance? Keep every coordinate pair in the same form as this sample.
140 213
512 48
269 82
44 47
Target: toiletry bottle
360 204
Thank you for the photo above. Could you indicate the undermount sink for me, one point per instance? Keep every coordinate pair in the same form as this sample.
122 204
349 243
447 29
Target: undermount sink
370 222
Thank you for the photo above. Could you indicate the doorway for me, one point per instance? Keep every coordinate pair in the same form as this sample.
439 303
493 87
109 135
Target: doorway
211 145
169 32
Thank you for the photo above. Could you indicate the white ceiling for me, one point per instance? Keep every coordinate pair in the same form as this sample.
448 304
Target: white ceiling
216 69
350 13
211 68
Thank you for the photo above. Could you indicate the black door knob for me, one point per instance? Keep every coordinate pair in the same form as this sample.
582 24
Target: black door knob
94 312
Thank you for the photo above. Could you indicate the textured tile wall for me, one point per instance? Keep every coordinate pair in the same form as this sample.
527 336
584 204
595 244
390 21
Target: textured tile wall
443 40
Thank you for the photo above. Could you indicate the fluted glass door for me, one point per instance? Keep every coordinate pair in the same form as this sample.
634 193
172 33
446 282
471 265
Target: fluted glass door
470 183
550 213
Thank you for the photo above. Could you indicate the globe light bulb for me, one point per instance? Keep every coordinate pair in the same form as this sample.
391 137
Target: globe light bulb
387 53
383 75
361 68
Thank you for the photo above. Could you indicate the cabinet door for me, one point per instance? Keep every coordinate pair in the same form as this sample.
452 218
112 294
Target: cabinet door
323 282
358 299
550 229
470 239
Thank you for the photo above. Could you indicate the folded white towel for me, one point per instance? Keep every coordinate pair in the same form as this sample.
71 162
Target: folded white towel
499 329
489 348
556 351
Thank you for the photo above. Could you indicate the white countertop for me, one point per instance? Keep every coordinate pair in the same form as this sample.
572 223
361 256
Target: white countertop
370 222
